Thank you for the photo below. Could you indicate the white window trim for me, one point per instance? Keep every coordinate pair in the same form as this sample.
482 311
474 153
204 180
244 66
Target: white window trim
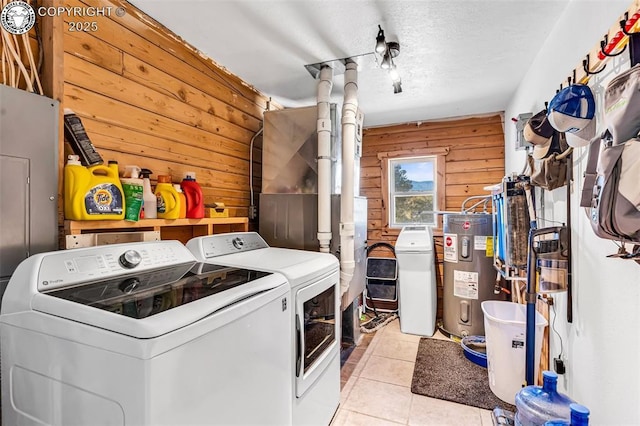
393 194
384 158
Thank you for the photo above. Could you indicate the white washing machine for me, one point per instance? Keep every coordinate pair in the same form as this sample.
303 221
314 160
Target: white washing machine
417 301
315 317
142 334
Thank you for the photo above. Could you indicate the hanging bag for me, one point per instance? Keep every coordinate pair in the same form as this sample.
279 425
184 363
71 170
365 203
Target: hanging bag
622 106
551 171
611 189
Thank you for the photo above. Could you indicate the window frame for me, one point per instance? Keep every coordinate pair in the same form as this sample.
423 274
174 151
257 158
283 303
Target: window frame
386 159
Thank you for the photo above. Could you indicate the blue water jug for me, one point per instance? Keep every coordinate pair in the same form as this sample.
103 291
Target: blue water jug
535 405
579 417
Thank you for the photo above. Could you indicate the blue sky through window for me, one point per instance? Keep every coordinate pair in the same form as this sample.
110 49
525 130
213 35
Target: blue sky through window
418 171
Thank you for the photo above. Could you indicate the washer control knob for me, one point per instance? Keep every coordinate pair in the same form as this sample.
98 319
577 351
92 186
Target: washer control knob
130 259
238 243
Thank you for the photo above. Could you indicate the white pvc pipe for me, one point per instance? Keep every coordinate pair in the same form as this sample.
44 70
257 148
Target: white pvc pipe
324 158
347 228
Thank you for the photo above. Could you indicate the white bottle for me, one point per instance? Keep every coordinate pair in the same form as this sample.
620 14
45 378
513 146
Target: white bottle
150 202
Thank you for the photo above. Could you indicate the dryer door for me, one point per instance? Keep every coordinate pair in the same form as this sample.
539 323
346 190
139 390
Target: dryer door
317 309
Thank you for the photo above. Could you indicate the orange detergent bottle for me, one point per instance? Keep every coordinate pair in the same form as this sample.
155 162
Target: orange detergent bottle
168 199
92 193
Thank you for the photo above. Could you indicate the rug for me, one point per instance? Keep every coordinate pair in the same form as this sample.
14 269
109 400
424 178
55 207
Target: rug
443 372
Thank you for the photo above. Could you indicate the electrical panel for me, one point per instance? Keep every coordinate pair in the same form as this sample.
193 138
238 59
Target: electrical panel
521 121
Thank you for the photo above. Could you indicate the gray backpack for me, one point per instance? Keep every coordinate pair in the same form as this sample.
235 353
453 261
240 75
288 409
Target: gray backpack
611 190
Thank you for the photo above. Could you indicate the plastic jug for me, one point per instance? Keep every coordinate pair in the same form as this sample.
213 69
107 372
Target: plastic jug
579 417
193 194
133 193
150 203
92 193
167 198
183 201
535 405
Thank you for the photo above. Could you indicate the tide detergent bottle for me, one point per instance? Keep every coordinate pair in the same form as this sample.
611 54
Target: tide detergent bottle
168 200
193 194
92 193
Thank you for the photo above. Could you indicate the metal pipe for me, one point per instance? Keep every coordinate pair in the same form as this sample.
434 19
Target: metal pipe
324 158
252 203
347 227
483 199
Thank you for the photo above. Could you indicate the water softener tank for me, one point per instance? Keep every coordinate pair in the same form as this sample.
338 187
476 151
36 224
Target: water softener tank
469 275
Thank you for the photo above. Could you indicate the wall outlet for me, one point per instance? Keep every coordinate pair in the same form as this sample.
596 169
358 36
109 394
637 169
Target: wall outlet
253 212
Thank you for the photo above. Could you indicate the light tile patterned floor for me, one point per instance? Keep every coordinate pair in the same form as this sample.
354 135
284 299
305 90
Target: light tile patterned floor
378 390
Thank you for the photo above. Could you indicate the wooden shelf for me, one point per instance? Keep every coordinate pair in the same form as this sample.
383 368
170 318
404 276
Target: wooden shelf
77 226
178 229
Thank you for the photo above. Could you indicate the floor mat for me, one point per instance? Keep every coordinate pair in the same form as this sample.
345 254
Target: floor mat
443 372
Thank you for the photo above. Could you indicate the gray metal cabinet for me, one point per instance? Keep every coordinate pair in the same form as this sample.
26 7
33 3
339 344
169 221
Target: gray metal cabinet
28 177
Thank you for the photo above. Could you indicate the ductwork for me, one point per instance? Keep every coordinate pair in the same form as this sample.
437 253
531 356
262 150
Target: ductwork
349 129
324 158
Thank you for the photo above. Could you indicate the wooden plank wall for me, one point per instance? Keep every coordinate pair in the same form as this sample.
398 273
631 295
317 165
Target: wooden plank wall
147 98
475 159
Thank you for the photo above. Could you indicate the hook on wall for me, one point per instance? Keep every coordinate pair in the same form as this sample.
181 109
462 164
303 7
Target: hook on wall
623 24
585 66
603 45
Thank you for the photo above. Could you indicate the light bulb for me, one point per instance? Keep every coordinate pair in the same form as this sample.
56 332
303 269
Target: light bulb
386 61
393 73
381 45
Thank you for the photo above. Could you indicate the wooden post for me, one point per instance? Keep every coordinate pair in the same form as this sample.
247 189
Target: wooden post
52 78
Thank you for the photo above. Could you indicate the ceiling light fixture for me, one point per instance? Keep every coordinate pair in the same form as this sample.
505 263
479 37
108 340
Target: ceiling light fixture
386 52
381 46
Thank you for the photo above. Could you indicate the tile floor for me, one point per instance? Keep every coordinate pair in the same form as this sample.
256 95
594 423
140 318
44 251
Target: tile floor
376 387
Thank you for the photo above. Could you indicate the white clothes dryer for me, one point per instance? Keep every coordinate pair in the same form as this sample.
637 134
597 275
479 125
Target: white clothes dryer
142 334
315 317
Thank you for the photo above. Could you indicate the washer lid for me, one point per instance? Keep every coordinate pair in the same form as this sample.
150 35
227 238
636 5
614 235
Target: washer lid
299 266
156 302
249 250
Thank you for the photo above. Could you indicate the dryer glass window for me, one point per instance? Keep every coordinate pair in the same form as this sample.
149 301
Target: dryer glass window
149 293
319 325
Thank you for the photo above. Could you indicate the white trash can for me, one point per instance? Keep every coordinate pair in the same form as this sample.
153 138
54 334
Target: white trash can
505 335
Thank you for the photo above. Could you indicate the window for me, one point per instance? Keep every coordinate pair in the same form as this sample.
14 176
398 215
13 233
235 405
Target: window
412 191
402 199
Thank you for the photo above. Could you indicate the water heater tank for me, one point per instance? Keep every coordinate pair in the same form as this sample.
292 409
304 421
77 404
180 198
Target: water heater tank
469 275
